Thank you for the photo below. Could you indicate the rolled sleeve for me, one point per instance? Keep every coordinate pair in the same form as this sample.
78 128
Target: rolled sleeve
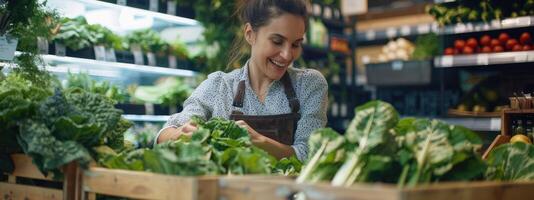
313 101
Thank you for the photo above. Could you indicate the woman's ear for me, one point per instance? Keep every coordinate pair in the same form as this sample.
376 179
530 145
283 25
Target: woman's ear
250 36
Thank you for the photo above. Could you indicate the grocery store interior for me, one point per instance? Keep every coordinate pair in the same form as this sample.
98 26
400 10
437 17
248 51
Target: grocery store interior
420 92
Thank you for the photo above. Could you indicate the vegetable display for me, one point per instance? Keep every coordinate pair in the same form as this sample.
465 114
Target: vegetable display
511 162
217 147
85 82
55 126
378 147
486 44
480 11
168 91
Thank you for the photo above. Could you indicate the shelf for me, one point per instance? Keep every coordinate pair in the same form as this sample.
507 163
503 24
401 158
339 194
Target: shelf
517 22
410 30
393 32
114 72
147 118
476 124
484 59
117 17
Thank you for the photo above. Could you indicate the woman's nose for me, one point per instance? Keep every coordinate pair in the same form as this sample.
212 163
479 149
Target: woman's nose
286 53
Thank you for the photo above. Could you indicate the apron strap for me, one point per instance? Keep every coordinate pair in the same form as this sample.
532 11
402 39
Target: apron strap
239 95
290 93
288 89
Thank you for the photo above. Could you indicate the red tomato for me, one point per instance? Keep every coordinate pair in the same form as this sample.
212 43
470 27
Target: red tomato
525 38
485 40
527 47
468 50
459 44
498 48
511 43
503 38
517 47
494 43
449 51
472 42
486 49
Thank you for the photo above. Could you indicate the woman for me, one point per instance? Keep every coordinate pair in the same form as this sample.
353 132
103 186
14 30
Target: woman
279 105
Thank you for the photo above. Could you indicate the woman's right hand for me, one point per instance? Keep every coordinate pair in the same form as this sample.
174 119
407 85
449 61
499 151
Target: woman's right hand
173 133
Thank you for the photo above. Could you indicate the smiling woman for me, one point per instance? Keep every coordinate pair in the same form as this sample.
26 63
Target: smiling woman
278 104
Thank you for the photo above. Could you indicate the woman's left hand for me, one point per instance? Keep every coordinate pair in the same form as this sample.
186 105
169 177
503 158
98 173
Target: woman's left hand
255 137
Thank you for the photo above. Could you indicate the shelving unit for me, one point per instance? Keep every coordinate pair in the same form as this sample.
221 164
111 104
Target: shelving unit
484 59
447 71
121 18
159 20
122 73
419 29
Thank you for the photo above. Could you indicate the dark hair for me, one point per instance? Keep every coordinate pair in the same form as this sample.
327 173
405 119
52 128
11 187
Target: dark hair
259 13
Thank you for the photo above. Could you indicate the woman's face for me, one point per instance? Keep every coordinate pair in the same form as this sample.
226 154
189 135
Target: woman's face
276 45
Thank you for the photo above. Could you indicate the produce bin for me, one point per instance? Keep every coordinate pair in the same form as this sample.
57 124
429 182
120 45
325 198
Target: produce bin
147 185
236 189
47 188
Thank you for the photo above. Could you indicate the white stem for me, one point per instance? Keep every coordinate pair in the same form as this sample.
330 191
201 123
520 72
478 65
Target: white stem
313 163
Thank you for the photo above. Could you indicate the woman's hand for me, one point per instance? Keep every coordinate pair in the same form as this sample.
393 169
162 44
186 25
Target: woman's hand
173 133
255 137
275 148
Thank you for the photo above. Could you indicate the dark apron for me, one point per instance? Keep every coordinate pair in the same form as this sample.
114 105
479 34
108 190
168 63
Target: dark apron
277 127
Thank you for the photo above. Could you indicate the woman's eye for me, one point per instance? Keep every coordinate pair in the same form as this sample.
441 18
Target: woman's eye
296 45
277 42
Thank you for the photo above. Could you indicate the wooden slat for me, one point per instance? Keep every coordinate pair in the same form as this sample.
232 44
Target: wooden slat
24 167
240 188
518 191
25 192
456 191
144 185
355 192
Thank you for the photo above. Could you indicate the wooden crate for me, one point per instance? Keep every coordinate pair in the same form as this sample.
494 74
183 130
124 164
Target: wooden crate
506 133
24 168
235 189
146 185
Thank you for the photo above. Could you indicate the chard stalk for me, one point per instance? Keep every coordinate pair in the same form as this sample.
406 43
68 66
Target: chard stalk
350 170
306 172
422 157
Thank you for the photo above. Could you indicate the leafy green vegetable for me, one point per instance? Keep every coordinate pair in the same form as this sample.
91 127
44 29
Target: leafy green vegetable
106 37
169 91
217 147
83 81
288 166
370 131
19 99
76 33
324 156
433 150
378 147
66 125
148 40
511 162
426 47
